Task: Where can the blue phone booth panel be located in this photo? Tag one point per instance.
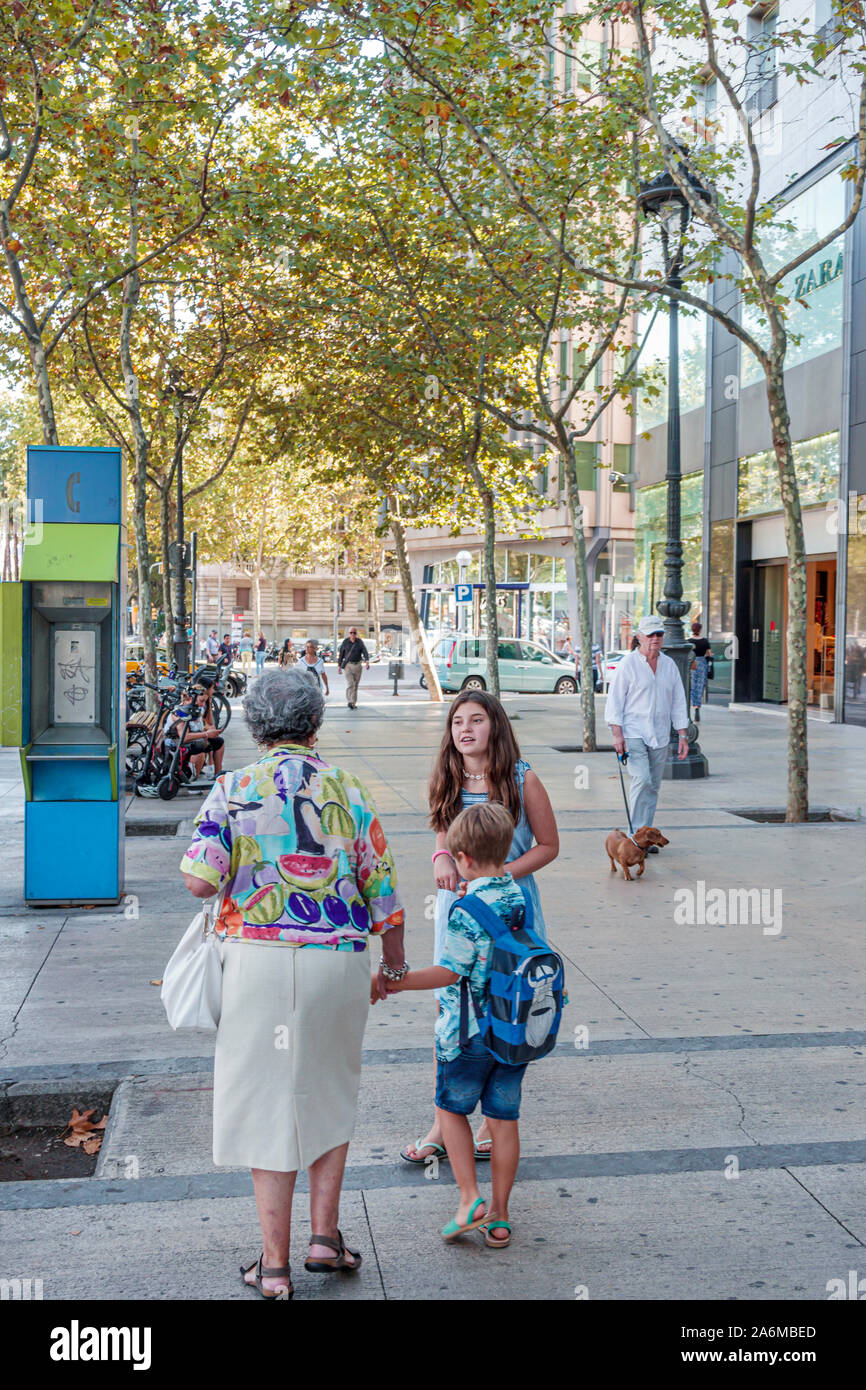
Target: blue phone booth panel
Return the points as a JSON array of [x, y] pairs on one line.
[[72, 853], [76, 485]]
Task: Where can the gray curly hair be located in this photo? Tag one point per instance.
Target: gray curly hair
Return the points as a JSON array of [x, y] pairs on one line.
[[285, 705]]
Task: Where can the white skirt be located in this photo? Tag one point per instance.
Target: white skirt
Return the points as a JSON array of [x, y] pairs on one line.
[[287, 1065]]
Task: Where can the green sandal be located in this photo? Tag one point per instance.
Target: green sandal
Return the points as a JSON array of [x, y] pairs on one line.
[[497, 1223], [454, 1229]]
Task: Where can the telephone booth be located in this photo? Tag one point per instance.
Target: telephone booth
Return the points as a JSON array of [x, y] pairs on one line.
[[72, 689]]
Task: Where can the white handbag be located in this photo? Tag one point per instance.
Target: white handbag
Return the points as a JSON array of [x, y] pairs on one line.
[[192, 983]]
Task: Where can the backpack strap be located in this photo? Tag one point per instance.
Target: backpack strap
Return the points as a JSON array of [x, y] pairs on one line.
[[489, 920]]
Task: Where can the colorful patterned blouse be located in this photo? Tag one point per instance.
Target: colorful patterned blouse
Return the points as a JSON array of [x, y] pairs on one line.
[[303, 849]]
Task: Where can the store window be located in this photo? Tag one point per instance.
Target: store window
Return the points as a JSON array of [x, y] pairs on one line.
[[650, 540], [652, 397], [814, 314], [816, 463], [390, 600]]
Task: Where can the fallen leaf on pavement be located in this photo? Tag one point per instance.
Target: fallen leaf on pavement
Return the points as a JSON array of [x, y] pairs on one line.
[[156, 982], [81, 1131]]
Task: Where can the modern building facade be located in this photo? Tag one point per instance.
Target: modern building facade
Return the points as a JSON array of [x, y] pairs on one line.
[[735, 561]]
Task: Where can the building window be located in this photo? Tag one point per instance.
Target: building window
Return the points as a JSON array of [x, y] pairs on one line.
[[622, 464], [761, 77], [242, 599], [585, 456], [390, 600], [816, 463], [299, 600], [828, 24], [362, 600], [563, 364]]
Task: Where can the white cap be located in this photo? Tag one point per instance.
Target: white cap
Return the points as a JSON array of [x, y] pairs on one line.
[[651, 623]]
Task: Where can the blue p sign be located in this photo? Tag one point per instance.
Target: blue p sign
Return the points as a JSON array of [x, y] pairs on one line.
[[462, 593]]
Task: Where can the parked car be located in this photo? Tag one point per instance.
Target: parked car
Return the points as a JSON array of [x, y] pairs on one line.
[[461, 664], [135, 659], [610, 663]]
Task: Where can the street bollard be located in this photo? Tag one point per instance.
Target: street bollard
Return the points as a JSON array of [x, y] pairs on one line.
[[395, 673]]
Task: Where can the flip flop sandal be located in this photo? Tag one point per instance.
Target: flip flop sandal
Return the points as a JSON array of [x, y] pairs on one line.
[[496, 1224], [285, 1272], [483, 1155], [338, 1262], [454, 1229], [438, 1152]]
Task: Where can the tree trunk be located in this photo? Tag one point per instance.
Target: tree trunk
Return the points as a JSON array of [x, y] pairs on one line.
[[165, 541], [491, 616], [798, 757], [418, 633], [131, 291], [31, 333], [374, 596], [273, 608], [584, 611]]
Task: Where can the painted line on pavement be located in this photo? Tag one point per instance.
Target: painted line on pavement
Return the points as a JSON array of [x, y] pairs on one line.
[[394, 1056], [88, 1192]]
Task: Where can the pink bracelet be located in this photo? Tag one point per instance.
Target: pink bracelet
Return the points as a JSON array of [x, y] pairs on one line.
[[443, 851]]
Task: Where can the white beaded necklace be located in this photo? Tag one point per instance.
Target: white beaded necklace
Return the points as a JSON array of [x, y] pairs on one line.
[[475, 776]]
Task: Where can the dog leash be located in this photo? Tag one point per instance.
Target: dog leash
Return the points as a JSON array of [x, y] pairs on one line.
[[620, 762]]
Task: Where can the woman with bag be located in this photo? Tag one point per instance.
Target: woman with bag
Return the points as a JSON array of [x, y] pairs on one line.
[[297, 849]]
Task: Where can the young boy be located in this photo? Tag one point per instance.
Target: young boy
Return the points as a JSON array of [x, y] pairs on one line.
[[479, 840]]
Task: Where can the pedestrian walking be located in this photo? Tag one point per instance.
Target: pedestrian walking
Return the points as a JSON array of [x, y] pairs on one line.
[[645, 698], [225, 647], [700, 669], [261, 649], [349, 658], [288, 655], [245, 647], [307, 877], [313, 664], [479, 760], [212, 646]]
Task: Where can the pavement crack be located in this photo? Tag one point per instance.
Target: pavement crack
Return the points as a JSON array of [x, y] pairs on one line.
[[830, 1213], [9, 1037], [601, 990], [691, 1069], [373, 1243]]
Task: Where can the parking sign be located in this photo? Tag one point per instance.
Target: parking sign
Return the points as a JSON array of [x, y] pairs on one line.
[[462, 593]]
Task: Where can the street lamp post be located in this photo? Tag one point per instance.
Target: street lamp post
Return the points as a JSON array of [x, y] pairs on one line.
[[663, 199]]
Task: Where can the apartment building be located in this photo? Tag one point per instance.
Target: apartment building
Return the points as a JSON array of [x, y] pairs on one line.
[[298, 601], [535, 570]]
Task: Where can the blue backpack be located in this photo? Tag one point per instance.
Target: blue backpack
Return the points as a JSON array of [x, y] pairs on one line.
[[527, 982]]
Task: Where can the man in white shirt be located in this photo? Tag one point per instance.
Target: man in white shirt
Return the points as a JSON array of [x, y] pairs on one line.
[[645, 698]]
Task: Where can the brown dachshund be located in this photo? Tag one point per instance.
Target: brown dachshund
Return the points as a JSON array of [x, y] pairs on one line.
[[627, 852]]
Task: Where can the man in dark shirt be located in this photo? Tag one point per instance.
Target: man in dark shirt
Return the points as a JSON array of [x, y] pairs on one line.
[[352, 652]]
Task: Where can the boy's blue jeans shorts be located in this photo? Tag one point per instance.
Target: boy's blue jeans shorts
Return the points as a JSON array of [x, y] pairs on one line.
[[477, 1076]]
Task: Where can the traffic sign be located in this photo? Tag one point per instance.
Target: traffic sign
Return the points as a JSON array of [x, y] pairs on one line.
[[462, 593]]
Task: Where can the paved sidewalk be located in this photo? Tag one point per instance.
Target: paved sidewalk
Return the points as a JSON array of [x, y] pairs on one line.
[[697, 1134]]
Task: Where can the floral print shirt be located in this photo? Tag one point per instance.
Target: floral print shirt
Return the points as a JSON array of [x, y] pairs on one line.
[[302, 849]]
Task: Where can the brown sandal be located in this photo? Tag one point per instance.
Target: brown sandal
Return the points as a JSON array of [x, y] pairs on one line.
[[329, 1266], [261, 1273]]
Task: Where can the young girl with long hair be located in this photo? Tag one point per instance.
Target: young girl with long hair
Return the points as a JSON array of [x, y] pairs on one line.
[[479, 760]]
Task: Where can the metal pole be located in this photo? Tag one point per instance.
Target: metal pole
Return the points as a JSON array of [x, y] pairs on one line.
[[673, 607], [181, 641]]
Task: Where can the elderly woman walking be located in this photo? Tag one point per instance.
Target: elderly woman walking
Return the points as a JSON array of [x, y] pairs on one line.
[[308, 878]]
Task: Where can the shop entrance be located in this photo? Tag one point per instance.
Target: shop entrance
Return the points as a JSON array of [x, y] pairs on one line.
[[762, 632]]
